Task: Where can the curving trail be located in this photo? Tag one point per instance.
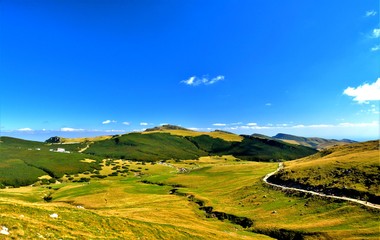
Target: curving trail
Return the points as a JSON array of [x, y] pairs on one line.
[[85, 148], [281, 166]]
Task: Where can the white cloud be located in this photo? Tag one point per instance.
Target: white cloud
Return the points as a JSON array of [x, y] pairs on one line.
[[376, 33], [364, 93], [24, 129], [67, 129], [251, 124], [108, 121], [126, 123], [139, 130], [219, 124], [114, 131], [195, 81], [375, 48], [370, 124], [144, 124], [370, 13]]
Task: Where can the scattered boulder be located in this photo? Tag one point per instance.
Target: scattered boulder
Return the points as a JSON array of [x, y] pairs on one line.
[[4, 230], [54, 215]]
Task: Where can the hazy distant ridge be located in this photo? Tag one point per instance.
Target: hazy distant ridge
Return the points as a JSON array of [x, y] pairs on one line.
[[313, 142]]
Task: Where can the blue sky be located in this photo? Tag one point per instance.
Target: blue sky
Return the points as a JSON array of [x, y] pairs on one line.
[[83, 68]]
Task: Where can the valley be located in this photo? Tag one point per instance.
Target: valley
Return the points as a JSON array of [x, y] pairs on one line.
[[199, 194]]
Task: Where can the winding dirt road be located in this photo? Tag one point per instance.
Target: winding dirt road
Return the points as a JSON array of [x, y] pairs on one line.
[[281, 166]]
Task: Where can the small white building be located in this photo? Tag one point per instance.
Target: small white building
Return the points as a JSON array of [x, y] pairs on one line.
[[61, 150]]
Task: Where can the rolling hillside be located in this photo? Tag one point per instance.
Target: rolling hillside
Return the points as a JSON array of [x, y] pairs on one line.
[[180, 131], [22, 161], [350, 170], [170, 142], [217, 198]]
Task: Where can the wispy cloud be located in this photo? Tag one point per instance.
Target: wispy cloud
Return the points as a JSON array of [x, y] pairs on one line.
[[111, 131], [126, 123], [251, 124], [196, 81], [372, 109], [144, 124], [108, 121], [25, 129], [219, 124], [268, 104], [67, 129], [364, 93], [376, 33], [370, 13], [375, 48]]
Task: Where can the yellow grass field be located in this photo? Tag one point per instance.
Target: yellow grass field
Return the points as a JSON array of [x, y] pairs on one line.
[[139, 204]]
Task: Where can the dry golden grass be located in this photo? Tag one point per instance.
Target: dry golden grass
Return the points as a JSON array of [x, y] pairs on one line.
[[113, 208], [45, 177], [88, 160], [120, 207], [87, 139]]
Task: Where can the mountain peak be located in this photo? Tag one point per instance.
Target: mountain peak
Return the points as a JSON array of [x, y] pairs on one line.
[[166, 127]]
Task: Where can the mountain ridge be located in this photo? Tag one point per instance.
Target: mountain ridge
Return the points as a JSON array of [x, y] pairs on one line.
[[314, 142]]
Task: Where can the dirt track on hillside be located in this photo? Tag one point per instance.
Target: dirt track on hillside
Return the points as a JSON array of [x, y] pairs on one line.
[[281, 166]]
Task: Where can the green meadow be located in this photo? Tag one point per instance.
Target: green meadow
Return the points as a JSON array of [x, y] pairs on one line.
[[189, 187], [141, 204]]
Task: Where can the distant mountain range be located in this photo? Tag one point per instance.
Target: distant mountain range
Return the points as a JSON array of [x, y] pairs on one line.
[[313, 142]]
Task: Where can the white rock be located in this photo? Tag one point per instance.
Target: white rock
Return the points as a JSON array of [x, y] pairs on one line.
[[4, 230], [54, 215]]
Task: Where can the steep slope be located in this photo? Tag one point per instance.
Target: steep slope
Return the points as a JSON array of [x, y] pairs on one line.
[[350, 170], [313, 142]]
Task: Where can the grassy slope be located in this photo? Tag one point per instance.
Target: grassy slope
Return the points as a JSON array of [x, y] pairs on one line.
[[237, 188], [146, 147], [187, 133], [22, 162], [116, 207], [123, 207], [153, 146], [354, 167]]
